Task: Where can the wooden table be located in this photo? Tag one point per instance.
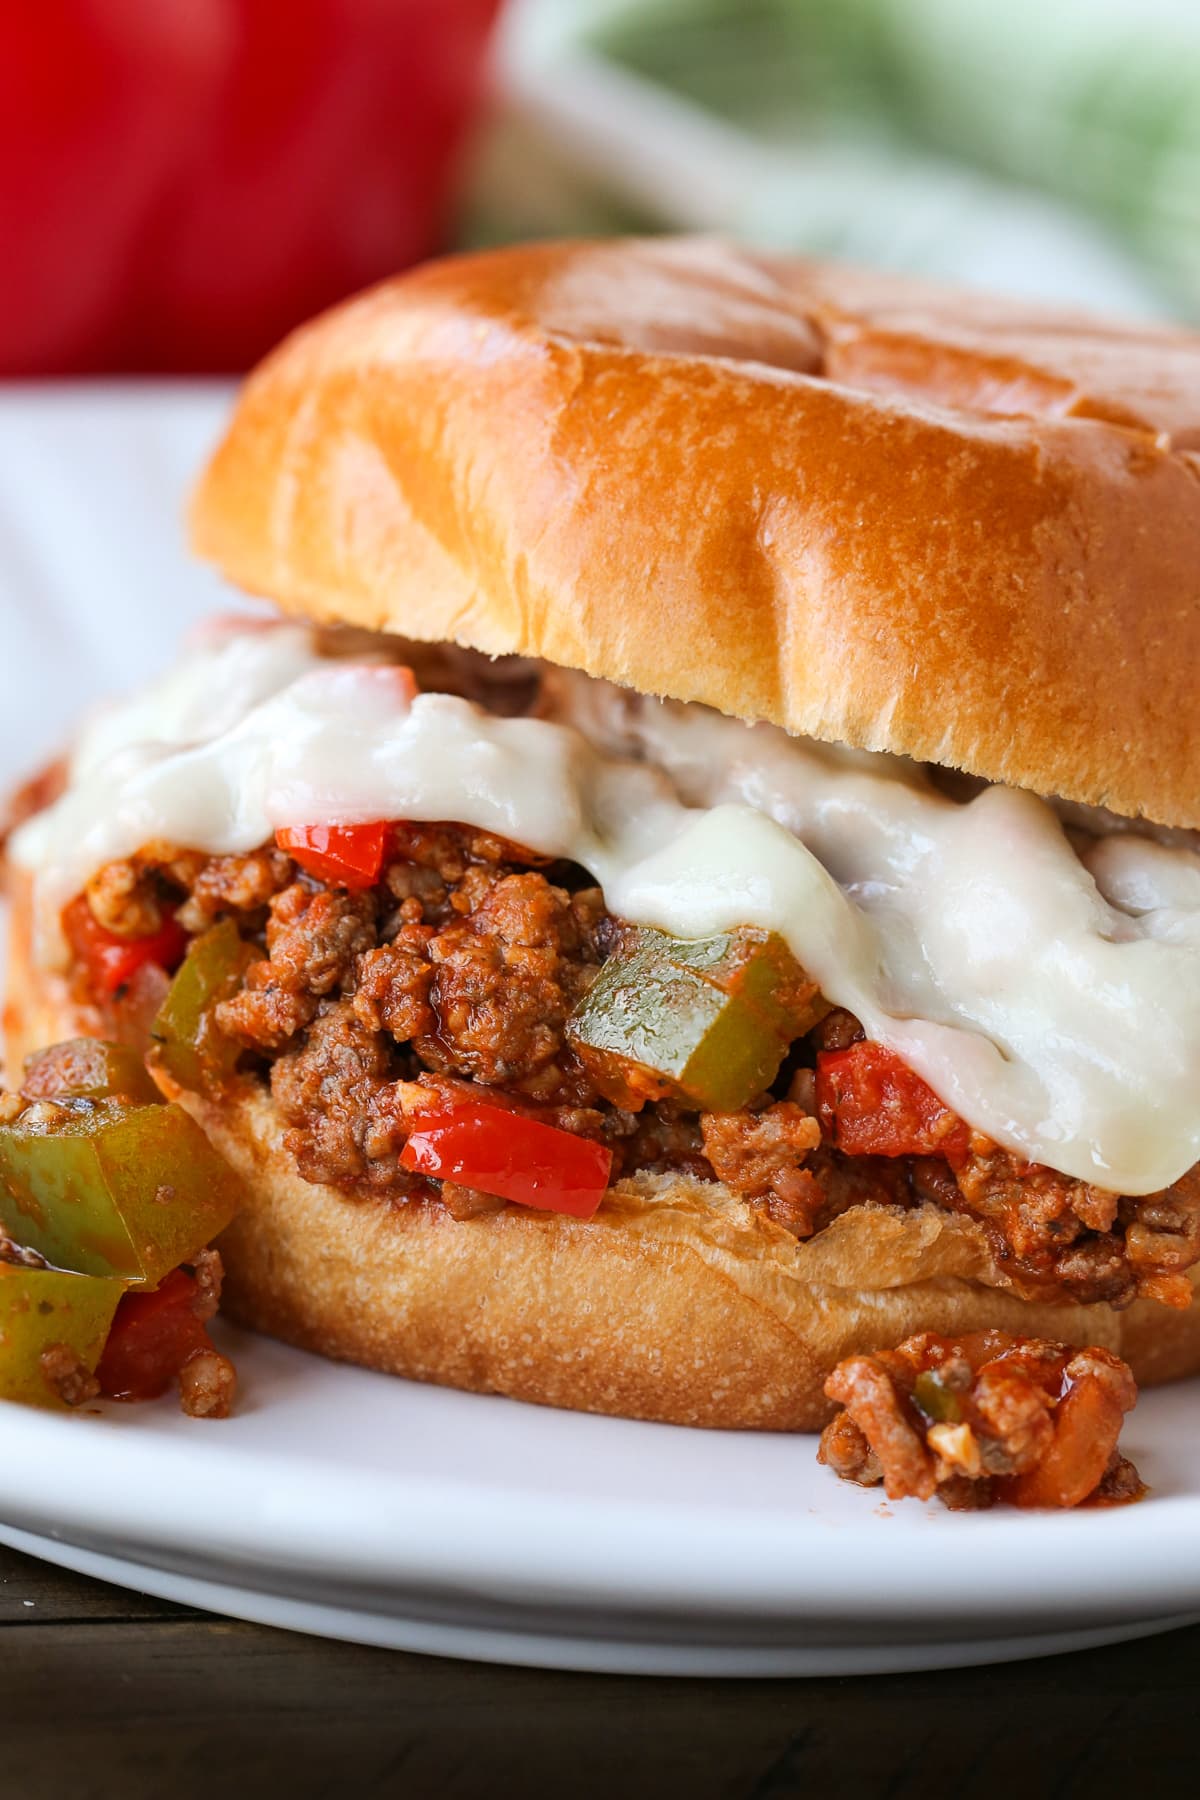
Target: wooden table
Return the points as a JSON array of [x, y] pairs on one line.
[[107, 1692]]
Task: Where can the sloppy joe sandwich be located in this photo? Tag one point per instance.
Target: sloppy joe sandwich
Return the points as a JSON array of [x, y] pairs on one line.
[[702, 881]]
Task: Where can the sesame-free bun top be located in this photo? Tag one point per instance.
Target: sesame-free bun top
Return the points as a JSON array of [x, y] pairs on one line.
[[871, 510]]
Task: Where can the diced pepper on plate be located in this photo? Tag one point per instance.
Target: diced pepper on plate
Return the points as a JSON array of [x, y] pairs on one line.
[[152, 1337], [105, 1188], [53, 1327]]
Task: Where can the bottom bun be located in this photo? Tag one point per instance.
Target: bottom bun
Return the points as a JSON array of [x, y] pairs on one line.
[[676, 1302]]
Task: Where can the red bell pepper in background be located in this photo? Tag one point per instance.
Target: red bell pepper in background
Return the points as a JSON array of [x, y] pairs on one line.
[[151, 1338], [349, 856], [870, 1103], [93, 99], [185, 181], [506, 1154], [111, 961]]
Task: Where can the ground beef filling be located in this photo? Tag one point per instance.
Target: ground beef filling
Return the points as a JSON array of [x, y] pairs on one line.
[[982, 1418], [462, 966]]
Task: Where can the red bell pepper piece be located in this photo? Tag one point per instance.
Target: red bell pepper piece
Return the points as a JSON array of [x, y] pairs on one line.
[[151, 1338], [347, 855], [185, 181], [870, 1103], [111, 961], [511, 1156], [94, 96]]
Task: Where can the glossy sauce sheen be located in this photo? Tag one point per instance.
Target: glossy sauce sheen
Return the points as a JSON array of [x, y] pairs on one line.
[[1052, 999]]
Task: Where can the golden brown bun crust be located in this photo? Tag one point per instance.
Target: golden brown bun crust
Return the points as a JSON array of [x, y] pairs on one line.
[[676, 1302], [868, 509]]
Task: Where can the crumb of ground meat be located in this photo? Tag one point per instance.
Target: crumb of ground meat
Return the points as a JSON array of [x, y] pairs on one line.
[[960, 1493], [663, 1140], [339, 1101], [1163, 1233], [448, 1090], [802, 1088], [209, 1273], [505, 981], [240, 885], [1037, 1237], [1035, 1207], [67, 1375], [421, 895], [983, 1417], [207, 1385], [123, 899], [590, 1121], [449, 850], [874, 1400], [844, 1449], [1095, 1208], [127, 896], [562, 1084], [392, 984], [1051, 1232], [1119, 1484], [761, 1156], [837, 1030], [1095, 1269], [468, 1203], [467, 895], [1014, 1414], [264, 1016], [314, 936], [860, 1181]]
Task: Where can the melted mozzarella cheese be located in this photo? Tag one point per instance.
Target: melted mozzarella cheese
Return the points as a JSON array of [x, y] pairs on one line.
[[1051, 998]]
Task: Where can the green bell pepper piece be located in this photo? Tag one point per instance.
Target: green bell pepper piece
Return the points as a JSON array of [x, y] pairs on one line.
[[41, 1307], [88, 1069], [192, 1049], [707, 1020], [102, 1188], [937, 1401]]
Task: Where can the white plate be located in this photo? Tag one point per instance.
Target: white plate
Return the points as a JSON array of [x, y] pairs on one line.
[[343, 1502], [347, 1503]]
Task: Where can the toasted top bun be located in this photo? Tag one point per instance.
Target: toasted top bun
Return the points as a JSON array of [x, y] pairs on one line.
[[870, 510]]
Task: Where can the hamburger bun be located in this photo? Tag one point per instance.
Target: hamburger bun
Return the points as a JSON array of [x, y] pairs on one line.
[[867, 510], [870, 510]]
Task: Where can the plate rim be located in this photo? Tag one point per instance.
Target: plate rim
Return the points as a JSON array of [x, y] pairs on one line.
[[252, 1508]]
